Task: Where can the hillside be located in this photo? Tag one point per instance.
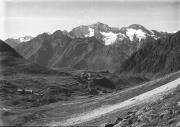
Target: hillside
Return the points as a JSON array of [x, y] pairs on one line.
[[134, 106], [161, 56], [11, 63]]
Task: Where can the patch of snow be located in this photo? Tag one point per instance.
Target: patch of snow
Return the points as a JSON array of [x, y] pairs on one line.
[[138, 33], [155, 37], [178, 103], [30, 91], [48, 33], [109, 37], [25, 39], [4, 109], [152, 32], [91, 32], [121, 36], [19, 90]]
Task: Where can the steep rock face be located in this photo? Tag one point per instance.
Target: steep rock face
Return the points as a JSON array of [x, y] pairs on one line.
[[29, 48], [161, 56], [12, 42], [6, 49], [77, 53], [44, 48]]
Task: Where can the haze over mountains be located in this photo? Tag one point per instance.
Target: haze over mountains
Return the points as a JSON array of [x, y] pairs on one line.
[[94, 47]]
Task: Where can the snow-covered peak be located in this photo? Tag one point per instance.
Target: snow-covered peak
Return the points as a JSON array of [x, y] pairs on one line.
[[131, 33], [90, 32], [25, 39], [109, 37], [48, 33]]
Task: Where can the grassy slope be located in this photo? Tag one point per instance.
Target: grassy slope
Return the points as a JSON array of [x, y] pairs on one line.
[[162, 113], [62, 110]]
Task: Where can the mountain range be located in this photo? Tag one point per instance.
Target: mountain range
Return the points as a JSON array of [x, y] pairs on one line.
[[93, 47]]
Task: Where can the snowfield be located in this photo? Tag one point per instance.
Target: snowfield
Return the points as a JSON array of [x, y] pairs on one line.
[[24, 39], [91, 33], [138, 33], [150, 96], [109, 37]]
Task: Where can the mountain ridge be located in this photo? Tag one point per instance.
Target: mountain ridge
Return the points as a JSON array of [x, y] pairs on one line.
[[114, 46]]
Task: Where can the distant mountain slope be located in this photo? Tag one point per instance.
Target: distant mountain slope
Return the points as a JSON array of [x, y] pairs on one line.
[[93, 47], [161, 56], [14, 42], [11, 62], [59, 50], [44, 48], [6, 49], [78, 52], [9, 58]]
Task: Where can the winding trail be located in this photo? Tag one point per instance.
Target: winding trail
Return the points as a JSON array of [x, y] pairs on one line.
[[150, 96]]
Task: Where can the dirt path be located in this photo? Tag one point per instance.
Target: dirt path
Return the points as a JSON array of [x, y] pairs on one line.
[[149, 96]]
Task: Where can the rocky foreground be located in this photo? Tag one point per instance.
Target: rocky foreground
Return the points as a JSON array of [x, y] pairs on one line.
[[162, 113]]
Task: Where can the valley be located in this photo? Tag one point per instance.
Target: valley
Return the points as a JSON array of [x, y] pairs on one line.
[[94, 75], [88, 110]]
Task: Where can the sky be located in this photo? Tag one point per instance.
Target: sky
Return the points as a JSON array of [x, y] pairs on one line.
[[33, 17]]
